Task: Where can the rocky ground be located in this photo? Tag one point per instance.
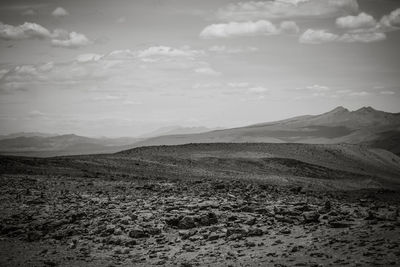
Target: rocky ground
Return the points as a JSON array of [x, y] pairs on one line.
[[66, 221]]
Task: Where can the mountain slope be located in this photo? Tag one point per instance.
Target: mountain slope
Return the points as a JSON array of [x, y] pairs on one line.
[[363, 126], [69, 144], [327, 167]]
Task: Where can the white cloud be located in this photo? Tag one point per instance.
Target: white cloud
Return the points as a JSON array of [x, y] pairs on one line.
[[392, 19], [289, 27], [74, 40], [166, 51], [361, 21], [46, 67], [318, 88], [283, 9], [3, 72], [362, 93], [60, 12], [257, 90], [112, 72], [238, 84], [36, 114], [207, 71], [311, 36], [249, 28], [234, 29], [88, 57], [387, 93], [231, 50], [322, 36], [27, 30], [362, 37]]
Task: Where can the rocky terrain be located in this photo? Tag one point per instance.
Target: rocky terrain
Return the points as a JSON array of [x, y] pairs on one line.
[[203, 205], [77, 221]]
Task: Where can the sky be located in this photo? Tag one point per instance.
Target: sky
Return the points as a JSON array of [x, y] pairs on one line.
[[124, 68]]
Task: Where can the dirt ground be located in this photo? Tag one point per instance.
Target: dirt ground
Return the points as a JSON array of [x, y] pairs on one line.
[[66, 221]]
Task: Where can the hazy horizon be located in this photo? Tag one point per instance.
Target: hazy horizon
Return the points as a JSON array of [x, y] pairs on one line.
[[125, 68]]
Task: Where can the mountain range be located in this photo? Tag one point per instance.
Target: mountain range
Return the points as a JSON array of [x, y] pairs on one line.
[[365, 126]]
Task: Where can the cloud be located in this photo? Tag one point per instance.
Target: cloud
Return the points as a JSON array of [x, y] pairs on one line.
[[88, 57], [284, 9], [59, 12], [166, 51], [249, 28], [289, 27], [238, 84], [207, 71], [391, 20], [361, 21], [234, 29], [27, 30], [311, 36], [36, 114], [257, 90], [362, 37], [317, 88], [74, 40], [387, 93], [362, 93], [231, 50], [3, 72], [118, 70]]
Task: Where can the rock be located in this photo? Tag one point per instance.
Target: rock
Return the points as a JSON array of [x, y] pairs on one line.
[[195, 238], [285, 231], [153, 231], [34, 236], [311, 217], [240, 231], [340, 224], [138, 233], [50, 263], [255, 232], [208, 219], [122, 251], [187, 222], [185, 234], [213, 236], [126, 220], [172, 221]]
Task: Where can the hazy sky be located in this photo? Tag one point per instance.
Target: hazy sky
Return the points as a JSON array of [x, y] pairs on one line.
[[122, 68]]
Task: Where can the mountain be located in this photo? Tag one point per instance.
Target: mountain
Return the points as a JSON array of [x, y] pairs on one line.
[[174, 130], [26, 134], [68, 144], [363, 126]]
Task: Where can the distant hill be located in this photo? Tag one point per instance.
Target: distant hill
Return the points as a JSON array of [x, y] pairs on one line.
[[363, 126], [26, 134], [173, 130], [43, 145], [324, 166]]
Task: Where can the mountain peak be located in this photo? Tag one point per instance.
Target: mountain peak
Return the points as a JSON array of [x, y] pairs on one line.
[[365, 109], [338, 109]]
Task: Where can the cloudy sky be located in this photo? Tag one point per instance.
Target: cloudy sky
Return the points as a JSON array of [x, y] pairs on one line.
[[123, 68]]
